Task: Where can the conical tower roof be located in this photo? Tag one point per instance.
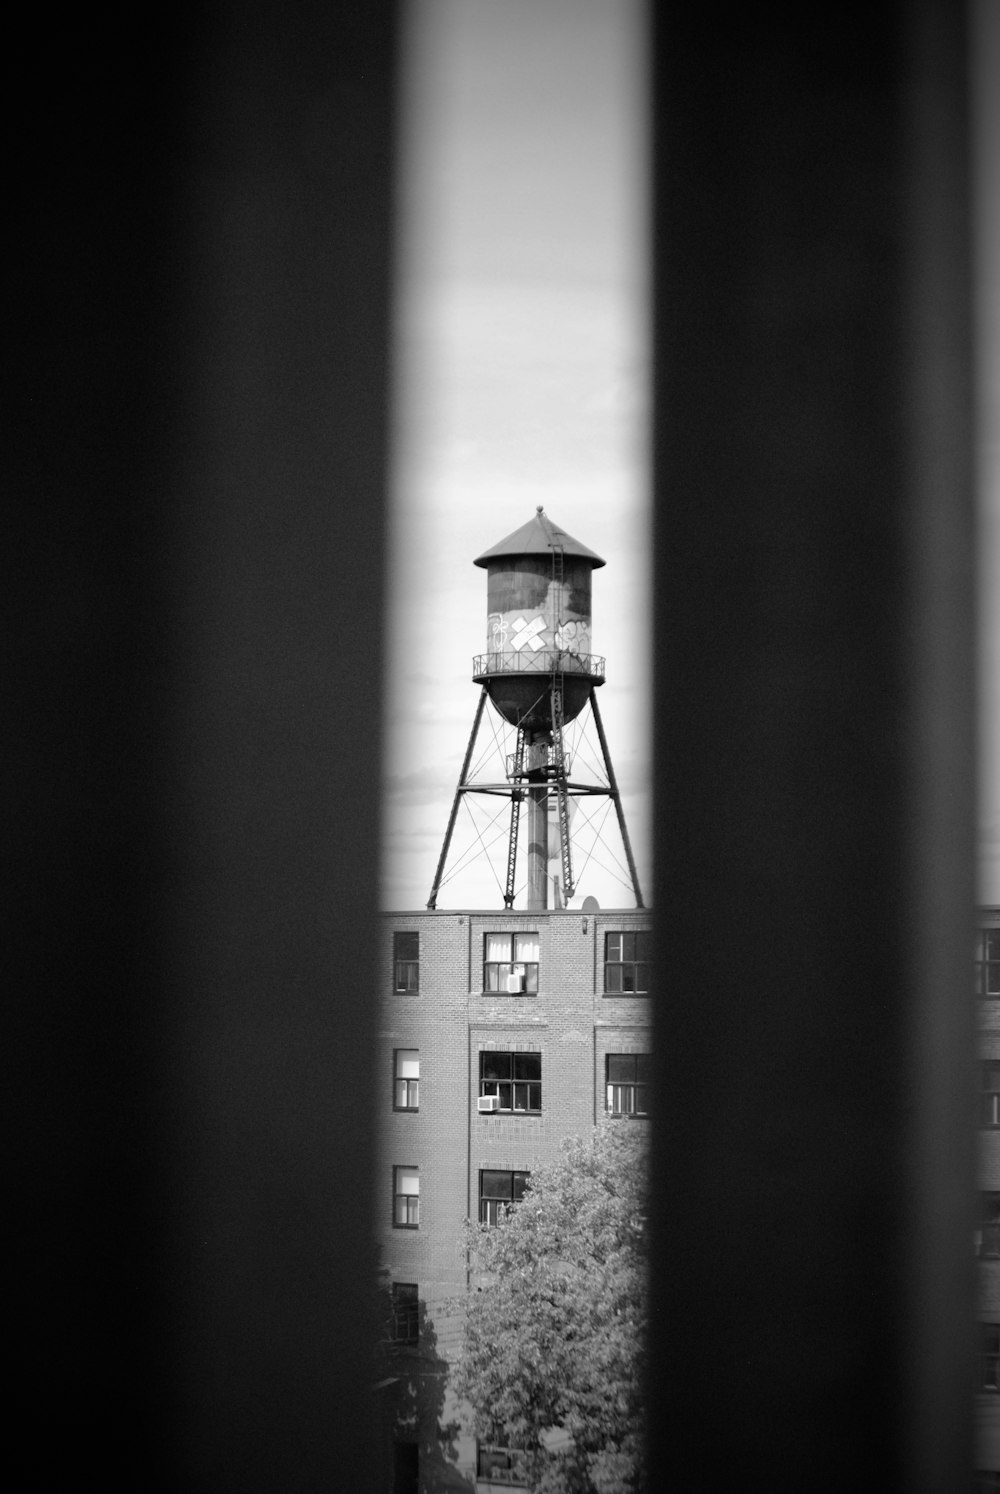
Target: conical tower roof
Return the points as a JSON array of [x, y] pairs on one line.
[[540, 536]]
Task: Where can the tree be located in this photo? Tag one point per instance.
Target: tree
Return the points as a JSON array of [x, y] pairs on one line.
[[553, 1354]]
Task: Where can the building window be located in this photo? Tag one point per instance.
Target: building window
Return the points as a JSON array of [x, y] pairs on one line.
[[405, 1467], [988, 963], [989, 1356], [627, 1080], [991, 1095], [513, 1080], [406, 1079], [406, 962], [988, 1233], [500, 1465], [499, 1191], [626, 963], [406, 1197], [405, 1312], [510, 964]]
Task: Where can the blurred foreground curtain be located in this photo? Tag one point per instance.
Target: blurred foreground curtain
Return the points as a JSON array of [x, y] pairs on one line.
[[200, 247], [813, 1270]]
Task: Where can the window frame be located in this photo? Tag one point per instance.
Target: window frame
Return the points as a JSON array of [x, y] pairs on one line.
[[989, 1117], [989, 1358], [988, 964], [531, 1088], [405, 1310], [490, 1204], [399, 1195], [637, 1085], [407, 1106], [511, 1476], [988, 1229], [404, 985], [624, 966], [405, 1462], [513, 964]]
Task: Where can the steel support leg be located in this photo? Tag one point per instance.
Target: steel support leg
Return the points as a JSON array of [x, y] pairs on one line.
[[462, 780], [617, 798]]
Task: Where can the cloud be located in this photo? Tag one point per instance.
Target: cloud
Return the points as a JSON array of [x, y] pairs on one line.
[[421, 786]]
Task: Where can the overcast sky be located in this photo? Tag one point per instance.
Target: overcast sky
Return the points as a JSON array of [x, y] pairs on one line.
[[522, 378], [522, 371]]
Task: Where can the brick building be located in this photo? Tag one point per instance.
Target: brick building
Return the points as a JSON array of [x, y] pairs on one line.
[[501, 1033], [988, 1233]]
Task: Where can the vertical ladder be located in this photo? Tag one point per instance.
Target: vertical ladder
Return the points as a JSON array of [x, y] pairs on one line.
[[558, 749], [557, 594], [559, 762], [517, 794]]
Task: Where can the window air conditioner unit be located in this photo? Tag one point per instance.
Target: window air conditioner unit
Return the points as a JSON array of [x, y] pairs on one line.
[[489, 1103], [515, 982]]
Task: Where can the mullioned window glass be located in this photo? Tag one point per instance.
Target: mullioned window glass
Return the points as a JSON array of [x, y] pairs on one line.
[[988, 963], [405, 1312], [406, 1197], [627, 1084], [501, 1465], [406, 961], [406, 1081], [510, 964], [627, 963], [498, 1192], [514, 1078], [991, 1095], [988, 1234]]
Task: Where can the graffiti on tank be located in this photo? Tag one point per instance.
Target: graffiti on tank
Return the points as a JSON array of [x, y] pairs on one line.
[[574, 637], [525, 633], [496, 631]]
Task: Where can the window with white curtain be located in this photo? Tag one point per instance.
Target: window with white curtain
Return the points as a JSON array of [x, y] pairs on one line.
[[406, 1197], [406, 1079], [510, 964]]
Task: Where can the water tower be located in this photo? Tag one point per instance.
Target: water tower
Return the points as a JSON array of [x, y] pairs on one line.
[[539, 674]]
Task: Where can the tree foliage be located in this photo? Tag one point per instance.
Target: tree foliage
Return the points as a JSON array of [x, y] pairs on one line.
[[553, 1355]]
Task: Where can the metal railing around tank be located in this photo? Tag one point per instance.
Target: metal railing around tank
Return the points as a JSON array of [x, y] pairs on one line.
[[537, 661]]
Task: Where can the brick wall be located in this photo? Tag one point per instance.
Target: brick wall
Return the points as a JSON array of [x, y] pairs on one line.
[[570, 1022], [987, 1416]]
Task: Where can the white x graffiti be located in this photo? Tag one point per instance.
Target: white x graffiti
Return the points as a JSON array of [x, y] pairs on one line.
[[524, 632]]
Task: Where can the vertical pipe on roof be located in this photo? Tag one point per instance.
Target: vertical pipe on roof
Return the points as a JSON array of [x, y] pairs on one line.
[[538, 828]]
